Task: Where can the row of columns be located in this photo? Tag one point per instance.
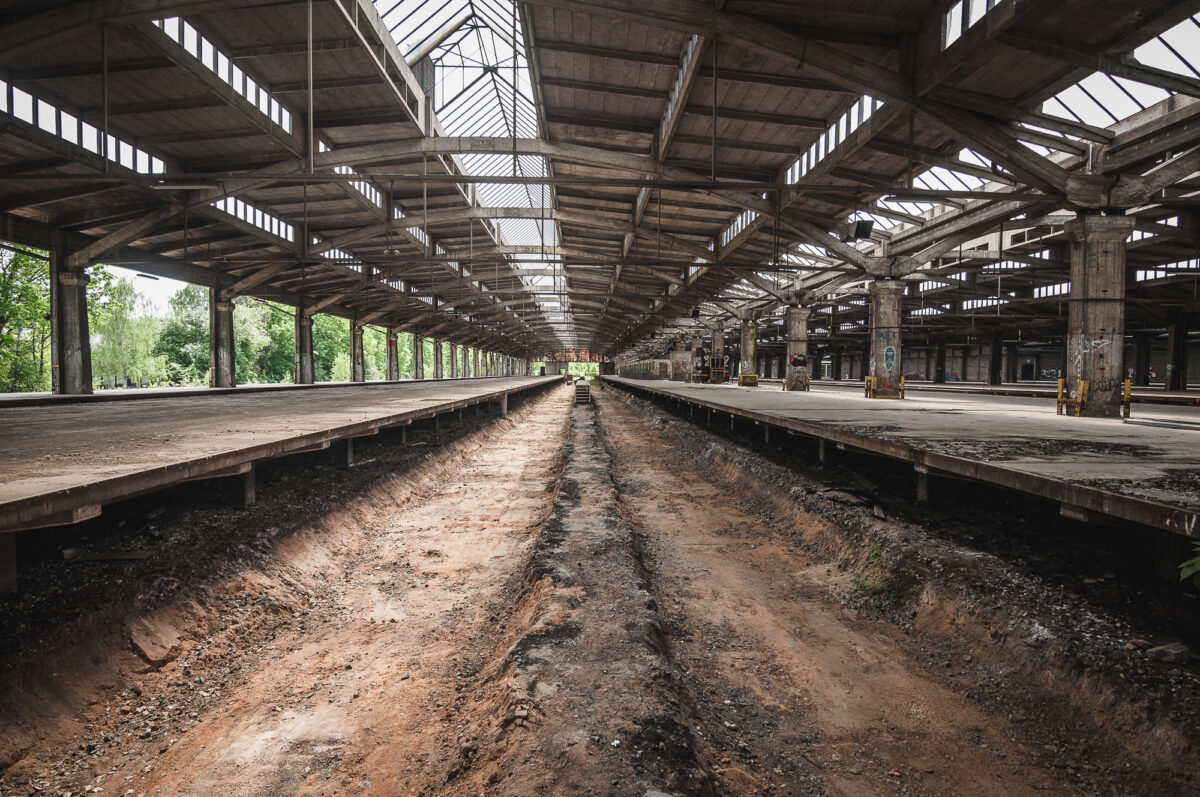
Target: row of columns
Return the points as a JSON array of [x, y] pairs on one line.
[[1095, 333], [71, 365]]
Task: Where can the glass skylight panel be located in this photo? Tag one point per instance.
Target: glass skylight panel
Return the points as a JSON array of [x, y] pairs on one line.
[[240, 209], [1046, 291], [204, 51], [1179, 269], [57, 122], [1102, 100]]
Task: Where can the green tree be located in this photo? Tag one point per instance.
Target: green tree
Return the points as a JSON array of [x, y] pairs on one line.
[[331, 338], [404, 354], [125, 334], [183, 340], [374, 353], [264, 337], [24, 321]]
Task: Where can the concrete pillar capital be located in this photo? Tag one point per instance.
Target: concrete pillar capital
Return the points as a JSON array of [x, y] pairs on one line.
[[223, 305], [74, 279], [883, 285], [1091, 226]]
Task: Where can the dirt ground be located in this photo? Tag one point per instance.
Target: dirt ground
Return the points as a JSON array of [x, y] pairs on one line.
[[571, 600]]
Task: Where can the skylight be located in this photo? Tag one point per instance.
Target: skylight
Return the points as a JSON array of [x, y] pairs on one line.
[[481, 86]]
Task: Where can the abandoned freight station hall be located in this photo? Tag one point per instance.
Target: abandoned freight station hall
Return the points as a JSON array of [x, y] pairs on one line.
[[599, 397]]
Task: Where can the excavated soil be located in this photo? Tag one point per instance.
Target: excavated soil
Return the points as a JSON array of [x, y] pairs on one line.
[[595, 599]]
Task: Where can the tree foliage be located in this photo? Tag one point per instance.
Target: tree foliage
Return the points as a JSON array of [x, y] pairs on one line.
[[125, 336], [129, 341], [24, 322]]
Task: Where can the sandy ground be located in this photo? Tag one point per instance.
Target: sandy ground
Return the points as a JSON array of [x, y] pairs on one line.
[[571, 600]]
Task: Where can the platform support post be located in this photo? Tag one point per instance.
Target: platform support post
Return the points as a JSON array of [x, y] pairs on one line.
[[437, 359], [475, 357], [357, 363], [825, 452], [1096, 321], [766, 434], [393, 356], [1177, 345], [343, 452], [885, 337], [244, 488], [404, 435], [504, 404], [8, 563], [1141, 359], [453, 361], [1010, 363], [939, 362], [222, 355], [418, 357], [304, 374], [797, 346], [922, 485], [71, 350]]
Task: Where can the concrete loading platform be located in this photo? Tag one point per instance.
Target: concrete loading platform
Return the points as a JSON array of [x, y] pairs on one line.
[[1139, 395], [1145, 471], [61, 464]]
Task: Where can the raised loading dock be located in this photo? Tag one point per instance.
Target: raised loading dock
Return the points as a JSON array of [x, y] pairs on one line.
[[62, 463], [1142, 471]]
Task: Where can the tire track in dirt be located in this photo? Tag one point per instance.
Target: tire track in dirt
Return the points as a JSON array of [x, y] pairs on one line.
[[794, 693], [584, 673]]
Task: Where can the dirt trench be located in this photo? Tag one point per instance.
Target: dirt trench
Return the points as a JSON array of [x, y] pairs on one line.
[[572, 600]]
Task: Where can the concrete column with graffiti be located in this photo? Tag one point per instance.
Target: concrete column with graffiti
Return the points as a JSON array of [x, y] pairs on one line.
[[1096, 321], [797, 348], [885, 336]]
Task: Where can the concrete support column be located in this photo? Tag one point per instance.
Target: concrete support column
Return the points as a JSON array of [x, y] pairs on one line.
[[304, 372], [8, 562], [358, 367], [1177, 341], [453, 361], [437, 359], [222, 357], [71, 363], [885, 336], [1096, 322], [1141, 359], [393, 355], [939, 362], [835, 363], [418, 357], [1010, 362], [748, 357], [475, 356], [995, 372], [797, 347]]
